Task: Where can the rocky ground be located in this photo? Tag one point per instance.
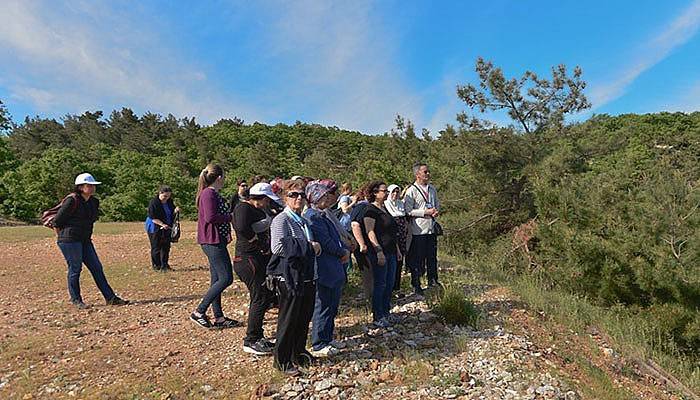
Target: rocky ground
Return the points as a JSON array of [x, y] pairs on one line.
[[149, 349]]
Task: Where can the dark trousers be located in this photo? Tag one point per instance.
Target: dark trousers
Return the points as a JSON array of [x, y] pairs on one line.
[[221, 277], [77, 254], [250, 268], [160, 248], [325, 310], [295, 314], [397, 277], [422, 255]]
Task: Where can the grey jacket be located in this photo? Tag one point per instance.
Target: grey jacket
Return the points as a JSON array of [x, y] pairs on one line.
[[415, 206]]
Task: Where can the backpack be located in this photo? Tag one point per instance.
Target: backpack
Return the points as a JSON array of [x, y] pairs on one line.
[[48, 216]]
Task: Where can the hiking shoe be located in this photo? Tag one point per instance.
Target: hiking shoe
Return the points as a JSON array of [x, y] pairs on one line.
[[117, 301], [80, 305], [325, 351], [382, 323], [394, 319], [259, 348], [291, 371], [338, 345], [202, 320], [226, 323], [304, 359]]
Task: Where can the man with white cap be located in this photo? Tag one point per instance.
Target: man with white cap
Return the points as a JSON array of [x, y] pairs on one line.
[[252, 227], [74, 222]]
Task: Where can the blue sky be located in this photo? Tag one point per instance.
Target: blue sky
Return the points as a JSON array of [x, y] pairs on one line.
[[352, 64]]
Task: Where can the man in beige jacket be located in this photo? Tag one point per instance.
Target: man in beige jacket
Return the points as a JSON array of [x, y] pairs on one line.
[[422, 206]]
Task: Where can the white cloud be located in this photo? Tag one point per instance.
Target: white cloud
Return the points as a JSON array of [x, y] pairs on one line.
[[338, 61], [676, 34], [84, 55]]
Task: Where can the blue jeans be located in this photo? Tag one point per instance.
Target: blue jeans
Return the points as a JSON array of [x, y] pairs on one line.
[[77, 254], [221, 272], [325, 311], [383, 284]]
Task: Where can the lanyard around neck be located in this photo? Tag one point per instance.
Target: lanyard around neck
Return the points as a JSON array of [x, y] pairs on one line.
[[300, 221]]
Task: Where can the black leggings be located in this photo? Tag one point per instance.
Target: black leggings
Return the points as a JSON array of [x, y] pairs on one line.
[[250, 268]]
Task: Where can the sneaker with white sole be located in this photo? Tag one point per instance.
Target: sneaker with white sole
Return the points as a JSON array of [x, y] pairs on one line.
[[201, 320], [325, 351], [338, 345], [259, 348]]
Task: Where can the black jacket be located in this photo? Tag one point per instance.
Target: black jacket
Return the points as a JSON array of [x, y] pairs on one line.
[[296, 267], [75, 223], [156, 211]]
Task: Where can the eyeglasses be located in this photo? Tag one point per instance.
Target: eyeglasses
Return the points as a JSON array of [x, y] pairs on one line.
[[294, 195], [381, 190], [243, 185]]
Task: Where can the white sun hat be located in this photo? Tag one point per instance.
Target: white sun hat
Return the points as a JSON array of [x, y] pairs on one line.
[[263, 189], [86, 178]]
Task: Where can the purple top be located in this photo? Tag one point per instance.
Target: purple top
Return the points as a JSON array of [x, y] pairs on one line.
[[213, 223]]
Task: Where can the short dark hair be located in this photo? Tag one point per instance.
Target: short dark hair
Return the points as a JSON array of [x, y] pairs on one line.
[[372, 189], [165, 189]]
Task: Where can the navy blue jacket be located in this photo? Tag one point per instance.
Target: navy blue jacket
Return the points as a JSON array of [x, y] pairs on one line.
[[295, 266], [329, 270]]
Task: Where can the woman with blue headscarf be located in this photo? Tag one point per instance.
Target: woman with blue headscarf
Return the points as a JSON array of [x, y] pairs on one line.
[[330, 273]]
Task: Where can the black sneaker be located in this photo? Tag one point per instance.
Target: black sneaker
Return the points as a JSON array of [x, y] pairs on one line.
[[117, 301], [289, 370], [259, 348], [226, 323], [79, 304], [305, 359], [202, 321]]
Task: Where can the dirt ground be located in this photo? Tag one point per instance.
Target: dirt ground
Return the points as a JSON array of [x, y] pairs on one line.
[[150, 349]]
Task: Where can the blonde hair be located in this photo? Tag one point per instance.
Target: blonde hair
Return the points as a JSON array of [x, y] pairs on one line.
[[346, 188], [206, 178]]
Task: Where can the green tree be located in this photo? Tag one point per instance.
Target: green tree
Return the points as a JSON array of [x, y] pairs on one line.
[[532, 102]]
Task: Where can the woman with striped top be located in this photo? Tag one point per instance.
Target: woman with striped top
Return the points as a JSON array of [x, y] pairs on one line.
[[292, 269]]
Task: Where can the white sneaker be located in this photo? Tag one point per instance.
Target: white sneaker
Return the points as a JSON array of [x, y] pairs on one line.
[[338, 345], [325, 351]]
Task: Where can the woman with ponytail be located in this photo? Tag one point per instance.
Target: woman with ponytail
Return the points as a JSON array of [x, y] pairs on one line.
[[214, 234]]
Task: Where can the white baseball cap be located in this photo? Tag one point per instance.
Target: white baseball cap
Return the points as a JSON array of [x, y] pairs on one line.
[[86, 178], [263, 189]]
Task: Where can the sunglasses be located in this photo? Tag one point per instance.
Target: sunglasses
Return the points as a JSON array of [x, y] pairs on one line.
[[294, 195]]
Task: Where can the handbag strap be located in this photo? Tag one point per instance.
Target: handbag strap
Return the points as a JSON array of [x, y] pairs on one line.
[[421, 192]]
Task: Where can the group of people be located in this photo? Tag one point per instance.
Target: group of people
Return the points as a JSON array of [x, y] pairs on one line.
[[294, 245]]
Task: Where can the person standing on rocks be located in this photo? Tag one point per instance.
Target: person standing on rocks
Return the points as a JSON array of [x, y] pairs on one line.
[[330, 272], [161, 214], [291, 269], [357, 225], [381, 234], [394, 205], [252, 226], [422, 205], [74, 223], [214, 234]]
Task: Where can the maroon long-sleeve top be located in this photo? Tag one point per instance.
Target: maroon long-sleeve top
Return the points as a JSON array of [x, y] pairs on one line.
[[213, 224]]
